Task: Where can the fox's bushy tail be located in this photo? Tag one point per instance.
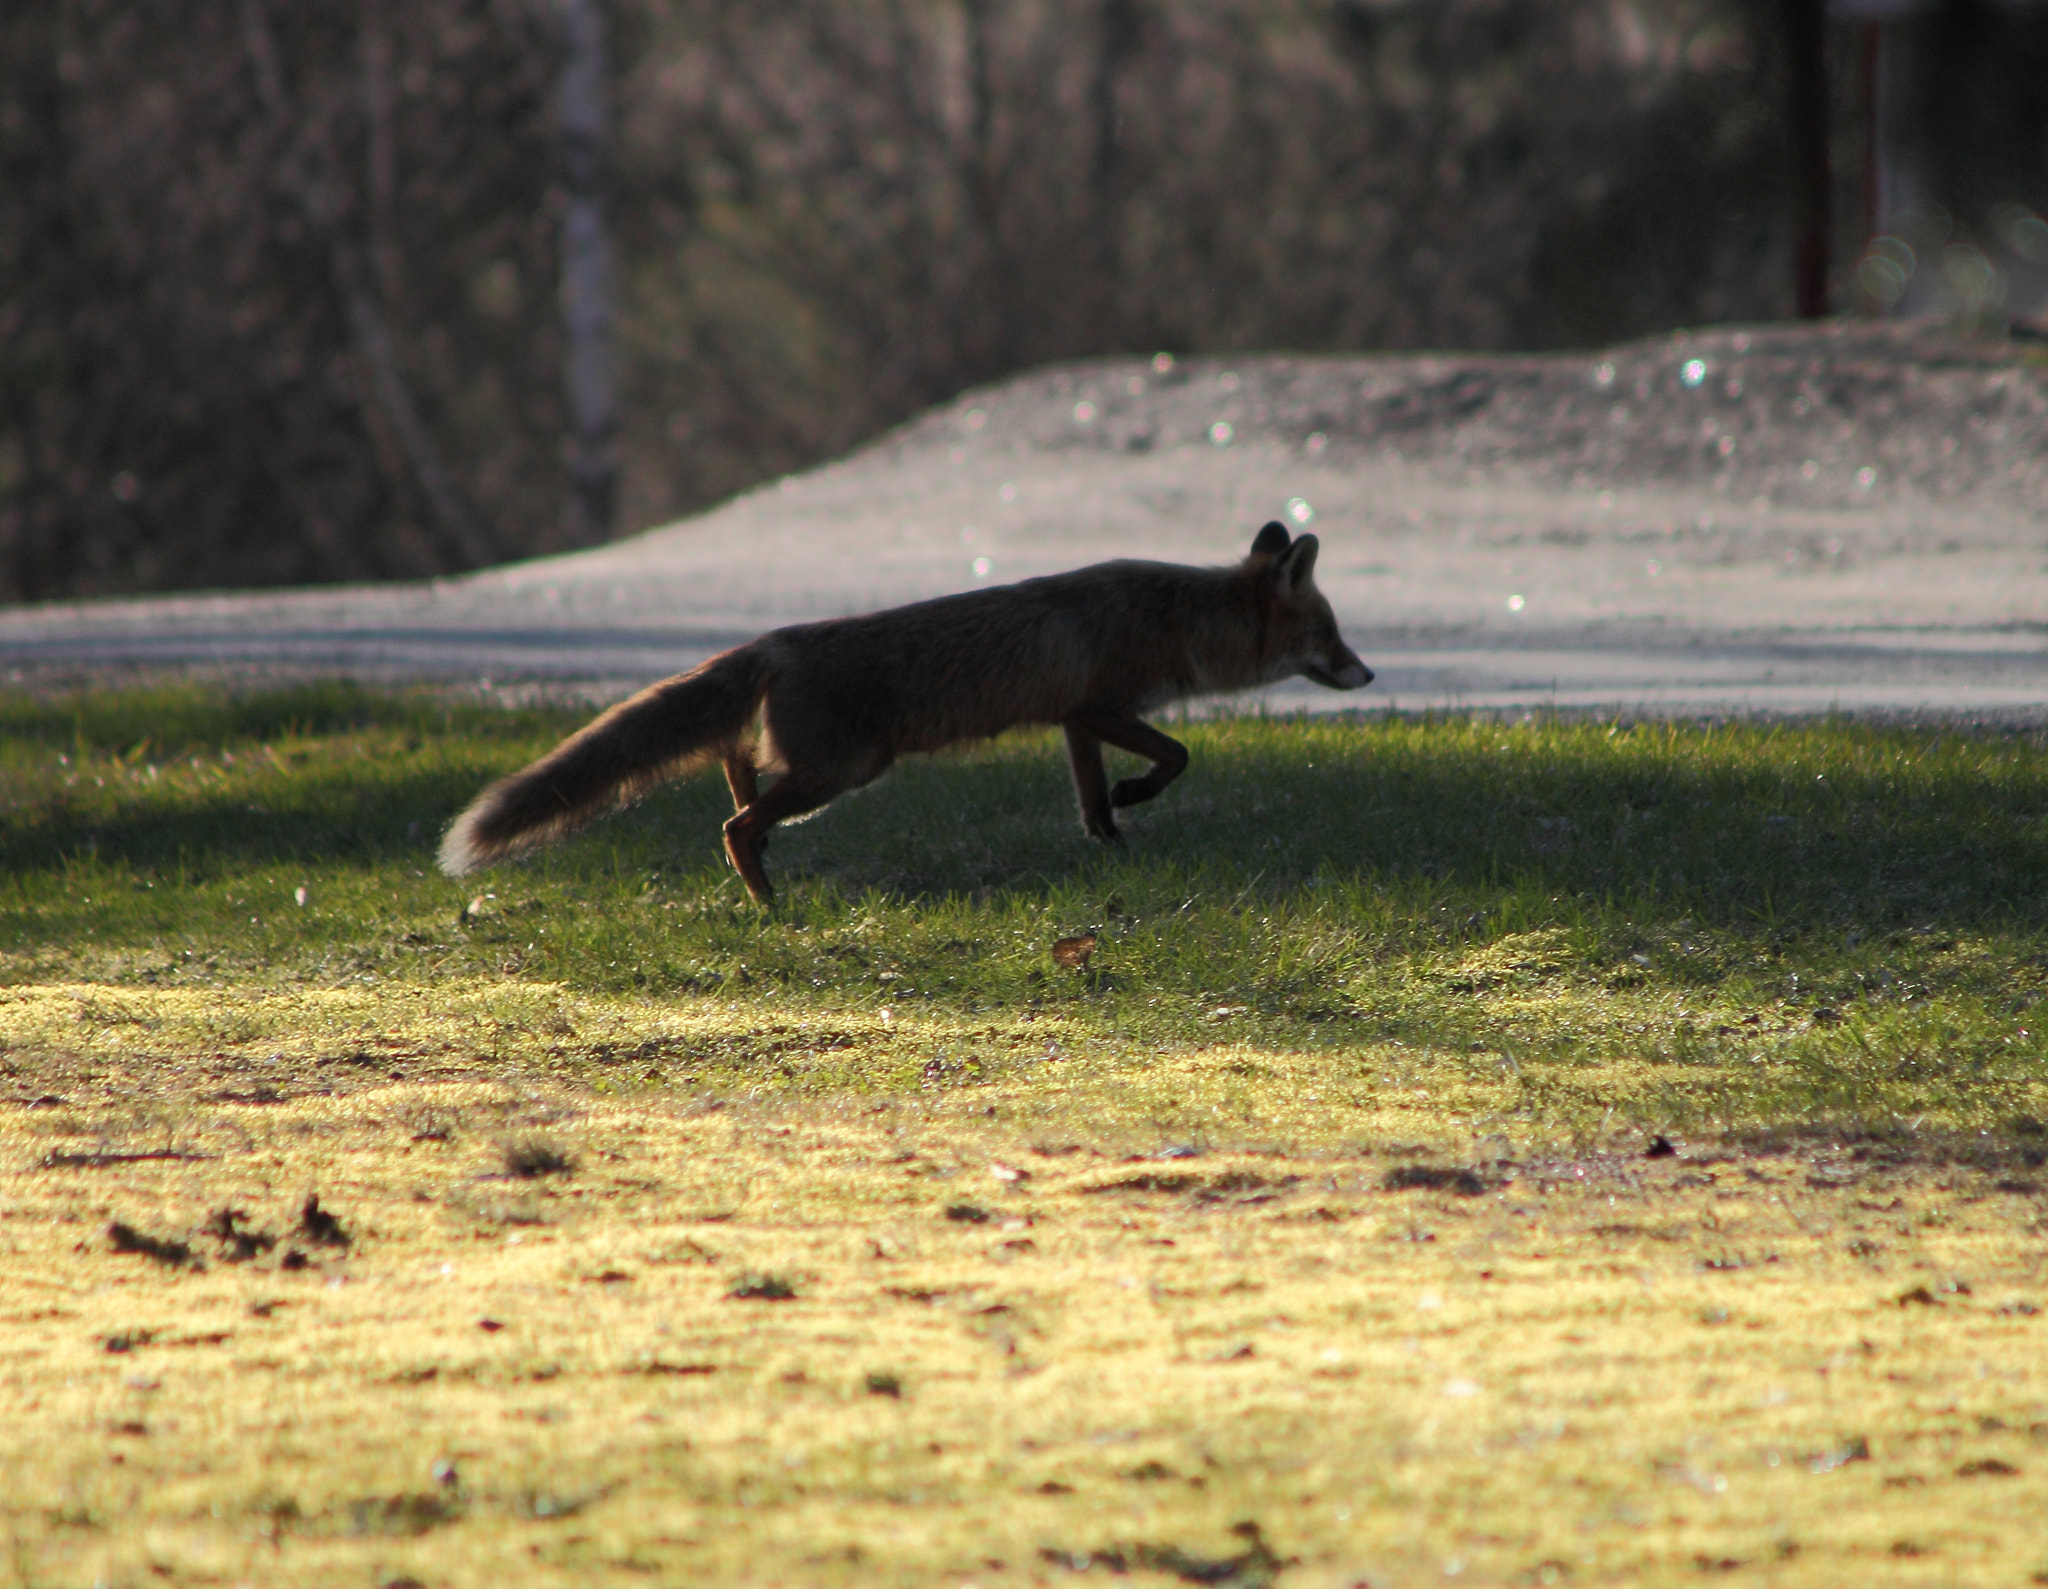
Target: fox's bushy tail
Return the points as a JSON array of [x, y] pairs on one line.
[[665, 730]]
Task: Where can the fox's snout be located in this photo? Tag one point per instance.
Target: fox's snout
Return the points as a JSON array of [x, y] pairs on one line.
[[1348, 674]]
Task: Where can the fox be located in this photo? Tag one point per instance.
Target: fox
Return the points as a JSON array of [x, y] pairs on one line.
[[824, 708]]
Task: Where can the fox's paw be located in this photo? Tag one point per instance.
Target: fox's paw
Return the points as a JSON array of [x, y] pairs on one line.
[[1130, 792], [1105, 830]]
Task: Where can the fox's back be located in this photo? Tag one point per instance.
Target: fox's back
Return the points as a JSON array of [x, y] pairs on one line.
[[1121, 636]]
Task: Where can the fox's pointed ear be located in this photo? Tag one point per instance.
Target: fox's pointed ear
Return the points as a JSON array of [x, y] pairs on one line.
[[1296, 566], [1271, 541]]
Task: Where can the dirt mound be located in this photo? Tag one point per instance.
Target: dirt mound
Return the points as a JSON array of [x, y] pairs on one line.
[[1836, 415]]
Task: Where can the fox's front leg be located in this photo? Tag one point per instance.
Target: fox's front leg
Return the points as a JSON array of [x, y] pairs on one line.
[[1169, 757], [1091, 784]]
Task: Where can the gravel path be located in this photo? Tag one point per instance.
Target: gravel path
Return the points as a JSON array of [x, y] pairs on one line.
[[1785, 519]]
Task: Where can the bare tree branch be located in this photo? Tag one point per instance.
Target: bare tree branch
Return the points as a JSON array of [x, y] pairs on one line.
[[382, 174], [317, 192]]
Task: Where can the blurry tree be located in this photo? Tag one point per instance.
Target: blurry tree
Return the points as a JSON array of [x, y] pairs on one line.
[[839, 211], [311, 170], [268, 279], [283, 287], [1979, 113]]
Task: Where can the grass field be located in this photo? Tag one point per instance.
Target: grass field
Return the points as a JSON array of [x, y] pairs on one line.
[[1469, 1152]]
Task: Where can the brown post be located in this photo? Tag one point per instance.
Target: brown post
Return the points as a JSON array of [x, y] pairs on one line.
[[1806, 84], [1873, 129]]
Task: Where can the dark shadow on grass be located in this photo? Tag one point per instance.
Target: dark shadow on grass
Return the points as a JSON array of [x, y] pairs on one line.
[[319, 822], [1847, 826], [1822, 837], [177, 719], [324, 819]]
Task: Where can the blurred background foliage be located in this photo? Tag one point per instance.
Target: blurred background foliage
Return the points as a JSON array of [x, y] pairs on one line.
[[828, 215]]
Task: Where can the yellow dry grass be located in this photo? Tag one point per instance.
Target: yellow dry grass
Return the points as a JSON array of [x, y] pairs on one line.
[[1058, 1310]]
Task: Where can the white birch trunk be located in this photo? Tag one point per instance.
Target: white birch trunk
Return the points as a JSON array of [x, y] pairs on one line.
[[587, 280]]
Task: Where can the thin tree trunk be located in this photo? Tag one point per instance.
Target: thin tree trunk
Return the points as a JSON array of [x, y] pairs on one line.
[[587, 281], [987, 333], [1121, 26], [468, 541]]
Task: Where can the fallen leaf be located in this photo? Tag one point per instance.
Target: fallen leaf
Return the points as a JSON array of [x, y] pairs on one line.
[[320, 1227], [229, 1226], [1073, 952], [1432, 1178], [1852, 1450], [762, 1288], [100, 1161], [126, 1238]]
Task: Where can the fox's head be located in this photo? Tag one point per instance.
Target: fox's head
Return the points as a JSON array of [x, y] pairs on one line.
[[1300, 630]]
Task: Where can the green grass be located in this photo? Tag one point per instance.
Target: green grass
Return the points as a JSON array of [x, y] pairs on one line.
[[1316, 1200], [1701, 927]]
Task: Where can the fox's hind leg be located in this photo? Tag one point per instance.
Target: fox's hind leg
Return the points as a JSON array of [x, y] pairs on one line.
[[746, 833], [1091, 784], [1169, 757], [743, 778], [740, 779]]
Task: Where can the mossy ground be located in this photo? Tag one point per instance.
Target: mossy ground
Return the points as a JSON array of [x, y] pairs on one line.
[[1089, 1266]]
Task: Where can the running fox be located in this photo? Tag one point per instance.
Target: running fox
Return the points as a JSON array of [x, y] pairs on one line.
[[830, 706]]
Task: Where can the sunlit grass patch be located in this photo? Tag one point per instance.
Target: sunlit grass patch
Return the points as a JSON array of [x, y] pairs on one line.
[[909, 1340]]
